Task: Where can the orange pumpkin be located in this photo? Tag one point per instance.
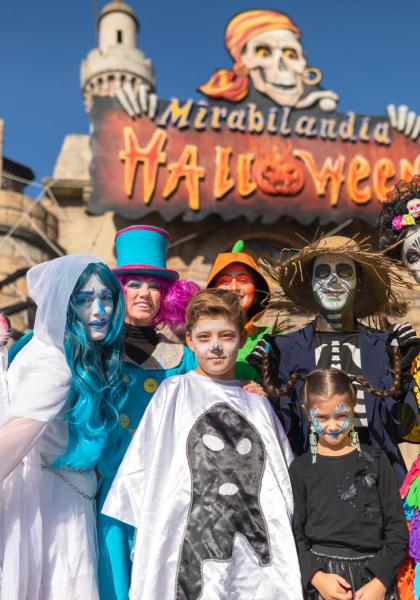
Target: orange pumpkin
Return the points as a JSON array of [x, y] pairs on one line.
[[279, 174]]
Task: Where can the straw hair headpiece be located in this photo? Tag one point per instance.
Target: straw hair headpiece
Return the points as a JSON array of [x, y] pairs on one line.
[[380, 286]]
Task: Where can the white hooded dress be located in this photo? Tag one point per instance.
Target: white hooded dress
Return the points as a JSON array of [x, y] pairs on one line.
[[205, 483], [47, 517]]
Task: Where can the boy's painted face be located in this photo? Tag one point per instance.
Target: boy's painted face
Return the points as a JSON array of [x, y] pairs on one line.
[[216, 343], [95, 308], [411, 251], [142, 300], [237, 278], [331, 419]]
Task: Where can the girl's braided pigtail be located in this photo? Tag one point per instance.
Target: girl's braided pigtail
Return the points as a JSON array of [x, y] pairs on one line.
[[269, 379], [396, 369]]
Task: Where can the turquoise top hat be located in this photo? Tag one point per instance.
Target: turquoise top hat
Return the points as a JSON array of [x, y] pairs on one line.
[[142, 249]]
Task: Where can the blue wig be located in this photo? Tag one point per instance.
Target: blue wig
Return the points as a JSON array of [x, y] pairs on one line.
[[97, 390]]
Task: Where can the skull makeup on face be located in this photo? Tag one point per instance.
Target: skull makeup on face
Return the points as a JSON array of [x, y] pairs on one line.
[[215, 343], [276, 64], [334, 282], [226, 457], [95, 307], [411, 250]]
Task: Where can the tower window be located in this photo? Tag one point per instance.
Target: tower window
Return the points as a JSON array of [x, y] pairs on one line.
[[119, 36]]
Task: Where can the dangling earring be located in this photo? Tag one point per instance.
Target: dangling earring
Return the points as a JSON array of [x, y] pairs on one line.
[[354, 439], [313, 442], [312, 76]]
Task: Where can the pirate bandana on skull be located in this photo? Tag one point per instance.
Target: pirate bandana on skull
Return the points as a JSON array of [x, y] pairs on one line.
[[226, 456]]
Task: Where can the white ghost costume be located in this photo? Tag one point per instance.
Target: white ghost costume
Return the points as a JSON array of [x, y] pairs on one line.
[[47, 517], [205, 483]]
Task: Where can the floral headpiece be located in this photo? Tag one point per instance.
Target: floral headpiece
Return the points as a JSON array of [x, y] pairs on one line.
[[408, 219]]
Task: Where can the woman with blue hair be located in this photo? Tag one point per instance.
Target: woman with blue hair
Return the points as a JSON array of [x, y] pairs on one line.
[[64, 391]]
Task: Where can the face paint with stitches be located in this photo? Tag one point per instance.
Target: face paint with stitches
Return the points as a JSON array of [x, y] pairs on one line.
[[95, 307], [411, 251], [216, 344], [334, 282]]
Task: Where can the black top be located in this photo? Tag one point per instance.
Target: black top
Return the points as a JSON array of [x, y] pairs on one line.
[[351, 502], [139, 342]]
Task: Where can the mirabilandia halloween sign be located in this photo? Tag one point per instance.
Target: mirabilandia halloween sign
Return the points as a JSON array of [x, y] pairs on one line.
[[268, 141]]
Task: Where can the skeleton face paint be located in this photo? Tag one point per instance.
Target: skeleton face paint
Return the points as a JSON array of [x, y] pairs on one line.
[[276, 63], [334, 282], [95, 307], [331, 421], [216, 343], [411, 251]]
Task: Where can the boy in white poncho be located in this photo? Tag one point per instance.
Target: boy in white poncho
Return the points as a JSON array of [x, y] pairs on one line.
[[205, 479]]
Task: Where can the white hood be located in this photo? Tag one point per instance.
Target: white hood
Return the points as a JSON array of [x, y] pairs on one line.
[[50, 285]]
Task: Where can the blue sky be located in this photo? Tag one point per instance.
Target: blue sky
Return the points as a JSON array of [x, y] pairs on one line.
[[368, 51]]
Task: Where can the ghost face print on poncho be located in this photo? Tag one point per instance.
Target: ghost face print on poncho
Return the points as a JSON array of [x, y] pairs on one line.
[[226, 457]]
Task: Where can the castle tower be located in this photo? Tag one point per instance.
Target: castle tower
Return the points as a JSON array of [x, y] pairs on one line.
[[117, 58]]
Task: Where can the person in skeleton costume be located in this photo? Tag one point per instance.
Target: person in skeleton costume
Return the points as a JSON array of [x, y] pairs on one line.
[[399, 233], [238, 272], [205, 479], [64, 389], [342, 281], [269, 61]]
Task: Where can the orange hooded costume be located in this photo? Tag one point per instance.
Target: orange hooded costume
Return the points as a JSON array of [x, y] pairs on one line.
[[262, 292]]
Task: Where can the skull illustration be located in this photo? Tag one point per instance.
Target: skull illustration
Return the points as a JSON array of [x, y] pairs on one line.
[[413, 207], [276, 64]]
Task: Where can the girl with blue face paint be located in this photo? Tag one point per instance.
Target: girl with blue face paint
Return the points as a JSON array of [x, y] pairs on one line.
[[348, 516], [331, 423]]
